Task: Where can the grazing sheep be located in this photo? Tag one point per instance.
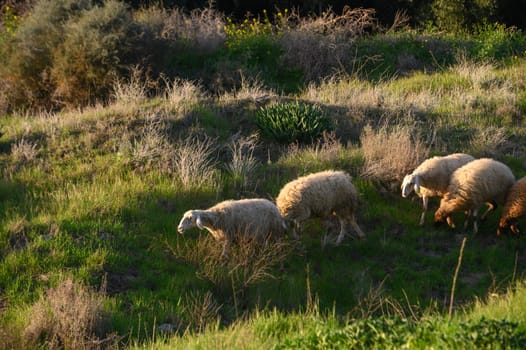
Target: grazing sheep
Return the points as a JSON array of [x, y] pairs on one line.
[[514, 208], [320, 195], [228, 219], [480, 181], [431, 178]]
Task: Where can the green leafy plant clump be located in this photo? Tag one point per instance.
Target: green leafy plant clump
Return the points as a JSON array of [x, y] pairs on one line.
[[293, 121]]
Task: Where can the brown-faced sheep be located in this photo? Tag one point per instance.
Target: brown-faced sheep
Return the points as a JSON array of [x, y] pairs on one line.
[[514, 208], [431, 178], [258, 217], [480, 181], [320, 195]]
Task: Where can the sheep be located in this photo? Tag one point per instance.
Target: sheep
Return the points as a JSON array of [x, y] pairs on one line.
[[431, 178], [514, 207], [480, 181], [229, 219], [320, 195]]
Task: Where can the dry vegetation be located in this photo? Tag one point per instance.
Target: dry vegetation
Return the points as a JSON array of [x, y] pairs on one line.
[[69, 316]]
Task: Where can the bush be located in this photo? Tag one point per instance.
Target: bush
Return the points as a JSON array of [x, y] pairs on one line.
[[70, 52], [321, 45], [69, 316], [27, 56], [456, 16], [97, 47], [495, 41], [294, 121]]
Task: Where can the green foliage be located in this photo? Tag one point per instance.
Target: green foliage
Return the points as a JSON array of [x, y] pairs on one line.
[[252, 40], [496, 42], [292, 121], [10, 22], [96, 48], [396, 333], [28, 56], [456, 16]]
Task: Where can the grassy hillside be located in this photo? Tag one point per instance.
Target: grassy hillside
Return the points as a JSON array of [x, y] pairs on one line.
[[90, 198]]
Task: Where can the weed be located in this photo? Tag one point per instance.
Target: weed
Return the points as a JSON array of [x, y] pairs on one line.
[[200, 311], [292, 121], [24, 151]]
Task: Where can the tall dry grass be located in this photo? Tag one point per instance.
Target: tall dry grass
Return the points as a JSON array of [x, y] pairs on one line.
[[181, 95], [251, 261], [391, 152], [242, 163], [194, 162]]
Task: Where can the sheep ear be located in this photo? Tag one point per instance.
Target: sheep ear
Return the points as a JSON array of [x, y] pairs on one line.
[[417, 185]]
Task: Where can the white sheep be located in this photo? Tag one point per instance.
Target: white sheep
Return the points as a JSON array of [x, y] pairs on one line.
[[431, 178], [227, 220], [480, 181], [320, 195], [514, 208]]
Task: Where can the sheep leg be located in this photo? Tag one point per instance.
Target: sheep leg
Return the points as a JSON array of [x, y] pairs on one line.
[[491, 207], [425, 202], [475, 223], [466, 220], [357, 228], [343, 232], [449, 221], [226, 249]]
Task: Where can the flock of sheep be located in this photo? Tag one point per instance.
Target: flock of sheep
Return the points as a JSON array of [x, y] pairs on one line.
[[463, 182]]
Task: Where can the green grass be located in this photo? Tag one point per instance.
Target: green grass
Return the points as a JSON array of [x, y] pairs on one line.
[[78, 204]]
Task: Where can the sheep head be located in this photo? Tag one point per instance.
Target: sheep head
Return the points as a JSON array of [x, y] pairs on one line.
[[411, 182], [442, 215], [188, 221], [504, 224]]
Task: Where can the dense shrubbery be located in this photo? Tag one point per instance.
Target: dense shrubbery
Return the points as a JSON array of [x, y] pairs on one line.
[[69, 53]]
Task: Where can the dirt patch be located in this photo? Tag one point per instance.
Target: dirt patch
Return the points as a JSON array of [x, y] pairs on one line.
[[120, 281]]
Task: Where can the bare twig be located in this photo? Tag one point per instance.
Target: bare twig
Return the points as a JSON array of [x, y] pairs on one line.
[[455, 277]]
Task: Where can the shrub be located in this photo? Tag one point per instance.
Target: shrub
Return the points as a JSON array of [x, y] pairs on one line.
[[321, 45], [69, 316], [202, 28], [293, 121], [252, 41], [456, 16], [495, 41], [97, 48], [26, 62]]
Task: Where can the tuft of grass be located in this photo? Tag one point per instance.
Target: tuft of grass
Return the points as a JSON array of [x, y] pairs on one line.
[[69, 316], [243, 163], [194, 164]]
